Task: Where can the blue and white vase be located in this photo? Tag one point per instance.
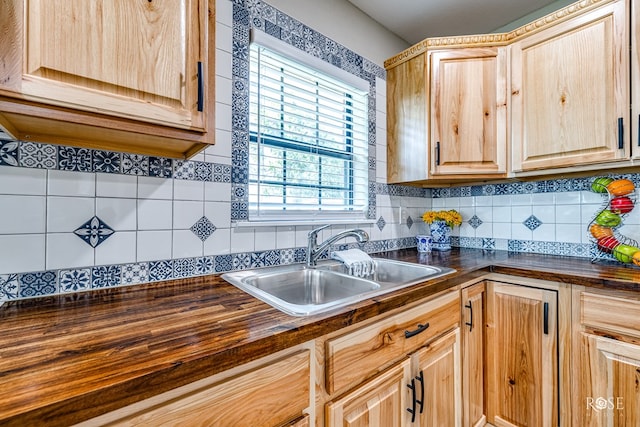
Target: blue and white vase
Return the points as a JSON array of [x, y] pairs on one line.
[[441, 235], [423, 243]]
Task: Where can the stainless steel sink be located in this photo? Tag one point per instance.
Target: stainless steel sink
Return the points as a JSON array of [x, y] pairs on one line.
[[301, 291]]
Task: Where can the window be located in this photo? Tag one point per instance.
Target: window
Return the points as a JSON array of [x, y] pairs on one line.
[[308, 150]]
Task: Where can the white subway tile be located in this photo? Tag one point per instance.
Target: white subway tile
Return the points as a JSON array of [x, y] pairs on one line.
[[242, 239], [544, 233], [67, 214], [217, 191], [223, 64], [22, 214], [155, 188], [65, 183], [23, 181], [186, 213], [520, 232], [519, 214], [219, 213], [545, 213], [570, 233], [155, 214], [119, 214], [113, 185], [568, 214], [119, 248], [223, 116], [186, 244], [224, 35], [20, 253], [154, 245], [265, 238], [223, 90], [66, 250], [188, 190], [219, 243], [285, 237]]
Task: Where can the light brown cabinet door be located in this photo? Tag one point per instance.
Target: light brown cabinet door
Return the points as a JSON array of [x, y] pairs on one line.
[[438, 366], [610, 377], [128, 58], [473, 336], [407, 121], [378, 403], [522, 356], [570, 91], [469, 111]]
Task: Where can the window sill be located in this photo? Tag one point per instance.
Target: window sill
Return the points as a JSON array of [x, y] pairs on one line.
[[293, 223]]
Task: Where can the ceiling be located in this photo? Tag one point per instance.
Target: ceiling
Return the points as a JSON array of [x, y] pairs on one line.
[[415, 20]]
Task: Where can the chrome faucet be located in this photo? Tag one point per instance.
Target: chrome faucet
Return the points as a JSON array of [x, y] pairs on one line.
[[314, 249]]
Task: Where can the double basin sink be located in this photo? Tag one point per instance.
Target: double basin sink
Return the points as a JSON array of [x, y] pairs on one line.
[[300, 291]]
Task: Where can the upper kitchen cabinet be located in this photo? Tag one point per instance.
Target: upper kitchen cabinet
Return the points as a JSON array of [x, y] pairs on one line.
[[570, 89], [127, 75], [407, 117], [469, 111]]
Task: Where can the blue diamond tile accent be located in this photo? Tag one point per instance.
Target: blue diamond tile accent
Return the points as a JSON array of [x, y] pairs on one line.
[[409, 222], [532, 223], [381, 223], [474, 221], [94, 231], [203, 228]]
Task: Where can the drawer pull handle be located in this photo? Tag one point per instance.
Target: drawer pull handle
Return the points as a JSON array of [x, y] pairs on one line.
[[438, 153], [421, 401], [470, 322], [412, 410], [546, 318], [421, 328], [620, 133]]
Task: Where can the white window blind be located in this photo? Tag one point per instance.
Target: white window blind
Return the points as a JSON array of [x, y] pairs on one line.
[[308, 151]]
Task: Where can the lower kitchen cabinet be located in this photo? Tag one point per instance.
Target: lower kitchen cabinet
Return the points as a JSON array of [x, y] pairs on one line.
[[472, 341], [522, 355], [608, 359], [275, 392]]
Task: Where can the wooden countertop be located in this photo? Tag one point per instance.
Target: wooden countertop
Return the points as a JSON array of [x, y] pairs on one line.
[[68, 358]]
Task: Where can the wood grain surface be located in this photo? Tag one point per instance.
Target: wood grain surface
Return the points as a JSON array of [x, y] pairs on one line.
[[68, 358]]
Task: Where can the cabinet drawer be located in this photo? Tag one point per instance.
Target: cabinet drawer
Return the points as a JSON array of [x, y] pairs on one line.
[[611, 313], [272, 394], [357, 355]]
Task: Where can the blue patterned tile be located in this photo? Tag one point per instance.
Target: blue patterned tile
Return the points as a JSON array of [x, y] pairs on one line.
[[532, 222], [474, 222], [203, 228], [9, 286], [184, 267], [239, 211], [205, 265], [160, 167], [42, 156], [287, 256], [135, 273], [203, 171], [241, 261], [74, 280], [223, 263], [74, 159], [106, 276], [488, 243], [135, 164], [9, 153], [38, 284], [160, 270], [300, 254], [222, 173], [381, 223], [184, 169], [94, 232], [240, 15], [106, 161]]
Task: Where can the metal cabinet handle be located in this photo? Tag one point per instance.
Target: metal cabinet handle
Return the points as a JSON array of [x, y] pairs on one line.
[[546, 318], [412, 410], [470, 322], [421, 401], [620, 133], [200, 87], [438, 153], [421, 328]]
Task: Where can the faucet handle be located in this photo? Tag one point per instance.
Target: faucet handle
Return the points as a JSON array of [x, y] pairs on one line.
[[313, 233]]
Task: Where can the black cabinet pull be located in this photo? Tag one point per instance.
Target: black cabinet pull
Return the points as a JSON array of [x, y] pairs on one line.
[[470, 322], [421, 328], [438, 153], [421, 401], [200, 87], [620, 133], [546, 318], [412, 410]]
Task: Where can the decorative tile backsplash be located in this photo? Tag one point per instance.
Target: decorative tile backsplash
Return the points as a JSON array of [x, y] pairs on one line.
[[74, 219]]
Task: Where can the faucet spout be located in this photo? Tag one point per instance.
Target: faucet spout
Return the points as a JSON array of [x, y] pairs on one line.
[[314, 250]]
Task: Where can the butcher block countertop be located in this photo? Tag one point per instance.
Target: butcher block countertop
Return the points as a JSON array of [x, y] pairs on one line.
[[68, 358]]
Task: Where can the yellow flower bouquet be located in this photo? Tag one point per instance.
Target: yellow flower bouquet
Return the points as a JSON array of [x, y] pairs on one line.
[[451, 217]]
